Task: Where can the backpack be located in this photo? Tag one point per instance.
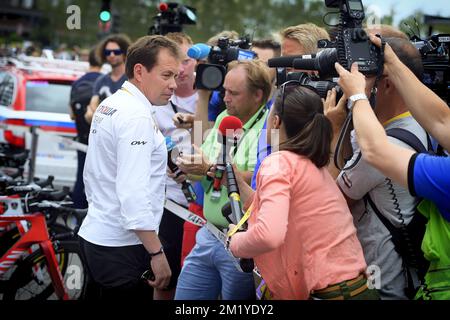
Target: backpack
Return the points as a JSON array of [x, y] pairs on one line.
[[408, 239], [80, 97]]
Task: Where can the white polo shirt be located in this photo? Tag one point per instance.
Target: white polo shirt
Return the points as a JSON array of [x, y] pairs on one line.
[[125, 170]]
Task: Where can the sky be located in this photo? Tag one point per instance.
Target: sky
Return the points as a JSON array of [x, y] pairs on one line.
[[404, 8]]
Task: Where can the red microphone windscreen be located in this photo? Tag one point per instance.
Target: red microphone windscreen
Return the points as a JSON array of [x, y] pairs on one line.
[[229, 125]]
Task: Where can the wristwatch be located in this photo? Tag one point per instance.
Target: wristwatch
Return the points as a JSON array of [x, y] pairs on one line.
[[156, 253], [352, 100]]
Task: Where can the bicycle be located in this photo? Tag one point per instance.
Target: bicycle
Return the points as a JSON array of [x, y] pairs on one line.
[[37, 275]]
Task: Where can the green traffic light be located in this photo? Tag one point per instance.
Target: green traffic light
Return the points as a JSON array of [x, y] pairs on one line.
[[105, 16]]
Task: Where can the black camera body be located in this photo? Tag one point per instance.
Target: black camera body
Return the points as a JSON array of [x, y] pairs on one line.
[[171, 18], [435, 52], [211, 75], [321, 86], [352, 42]]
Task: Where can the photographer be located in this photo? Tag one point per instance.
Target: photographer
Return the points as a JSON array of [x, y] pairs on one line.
[[375, 200], [297, 202], [425, 175], [210, 104], [209, 271], [295, 40]]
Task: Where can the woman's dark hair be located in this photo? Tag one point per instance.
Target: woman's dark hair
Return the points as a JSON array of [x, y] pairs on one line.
[[309, 132]]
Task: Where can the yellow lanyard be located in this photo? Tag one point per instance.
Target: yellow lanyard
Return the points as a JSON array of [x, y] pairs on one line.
[[156, 126], [400, 116], [241, 222], [124, 89]]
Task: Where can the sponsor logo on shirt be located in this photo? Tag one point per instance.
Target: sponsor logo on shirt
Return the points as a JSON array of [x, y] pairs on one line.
[[139, 143], [107, 111]]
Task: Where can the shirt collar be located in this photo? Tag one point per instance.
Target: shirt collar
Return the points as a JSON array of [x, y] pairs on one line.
[[252, 120], [400, 116], [134, 91]]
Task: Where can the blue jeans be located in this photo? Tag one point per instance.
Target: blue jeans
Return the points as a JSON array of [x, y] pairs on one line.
[[209, 271]]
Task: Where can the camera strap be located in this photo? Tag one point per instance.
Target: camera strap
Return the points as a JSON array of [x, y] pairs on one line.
[[174, 107], [348, 120], [381, 62]]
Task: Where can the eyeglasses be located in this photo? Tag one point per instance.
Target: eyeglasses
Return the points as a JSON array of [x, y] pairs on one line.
[[292, 83], [117, 52]]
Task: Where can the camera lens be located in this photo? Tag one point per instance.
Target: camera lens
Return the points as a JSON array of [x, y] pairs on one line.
[[212, 77]]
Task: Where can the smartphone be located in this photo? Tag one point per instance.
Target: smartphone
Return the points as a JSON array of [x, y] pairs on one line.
[[148, 275]]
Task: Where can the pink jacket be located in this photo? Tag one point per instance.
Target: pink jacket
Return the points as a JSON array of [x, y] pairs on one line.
[[301, 233]]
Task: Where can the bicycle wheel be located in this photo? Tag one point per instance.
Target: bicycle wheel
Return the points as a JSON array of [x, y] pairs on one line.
[[31, 279]]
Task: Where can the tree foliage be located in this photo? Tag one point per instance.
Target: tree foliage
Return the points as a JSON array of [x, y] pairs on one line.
[[260, 18]]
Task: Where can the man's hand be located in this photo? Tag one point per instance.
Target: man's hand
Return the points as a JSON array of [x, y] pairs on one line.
[[91, 108], [162, 272], [336, 113], [390, 58], [178, 179], [237, 174], [196, 164], [353, 82], [183, 120]]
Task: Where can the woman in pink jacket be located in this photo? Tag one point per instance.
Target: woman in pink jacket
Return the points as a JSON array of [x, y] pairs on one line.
[[301, 233]]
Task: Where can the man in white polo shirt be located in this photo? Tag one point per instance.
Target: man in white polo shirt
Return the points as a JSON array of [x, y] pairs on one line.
[[125, 176]]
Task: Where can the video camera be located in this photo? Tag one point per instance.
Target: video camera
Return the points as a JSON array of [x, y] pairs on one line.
[[435, 53], [212, 74], [321, 86], [171, 18], [352, 44]]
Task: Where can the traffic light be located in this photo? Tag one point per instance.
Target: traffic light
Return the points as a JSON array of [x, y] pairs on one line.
[[115, 28], [105, 11]]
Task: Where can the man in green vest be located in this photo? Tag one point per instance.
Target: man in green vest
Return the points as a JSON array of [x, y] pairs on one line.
[[209, 270]]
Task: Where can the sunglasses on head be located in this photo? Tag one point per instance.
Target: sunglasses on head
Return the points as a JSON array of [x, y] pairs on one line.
[[116, 52], [292, 83]]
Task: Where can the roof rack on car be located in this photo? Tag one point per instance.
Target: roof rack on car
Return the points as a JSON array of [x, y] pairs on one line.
[[49, 65]]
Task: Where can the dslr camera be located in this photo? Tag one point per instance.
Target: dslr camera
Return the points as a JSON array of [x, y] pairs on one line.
[[321, 86], [435, 53], [211, 75], [352, 44]]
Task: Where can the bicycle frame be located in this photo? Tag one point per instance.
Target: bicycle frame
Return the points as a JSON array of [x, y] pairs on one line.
[[37, 234]]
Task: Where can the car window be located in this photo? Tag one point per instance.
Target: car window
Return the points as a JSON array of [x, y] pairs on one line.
[[46, 96], [6, 88]]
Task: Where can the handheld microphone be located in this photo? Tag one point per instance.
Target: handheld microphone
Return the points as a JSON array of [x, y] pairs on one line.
[[186, 187], [233, 195], [287, 61], [228, 136], [199, 51], [246, 265]]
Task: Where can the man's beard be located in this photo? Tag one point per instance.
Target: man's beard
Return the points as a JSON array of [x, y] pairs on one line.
[[115, 65]]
